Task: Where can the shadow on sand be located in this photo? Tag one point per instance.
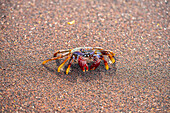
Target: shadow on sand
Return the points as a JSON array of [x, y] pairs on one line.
[[76, 72]]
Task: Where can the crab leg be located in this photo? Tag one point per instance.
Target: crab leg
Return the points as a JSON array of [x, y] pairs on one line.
[[61, 51], [98, 48], [111, 58], [55, 58], [82, 64], [105, 63], [63, 63], [69, 65], [110, 55], [95, 64]]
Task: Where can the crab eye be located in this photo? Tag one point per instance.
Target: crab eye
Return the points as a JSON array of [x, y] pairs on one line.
[[85, 55]]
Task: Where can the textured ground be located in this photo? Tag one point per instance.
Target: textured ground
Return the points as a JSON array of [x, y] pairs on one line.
[[136, 31]]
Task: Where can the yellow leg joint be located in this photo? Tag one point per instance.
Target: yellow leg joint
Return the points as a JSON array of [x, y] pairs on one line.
[[106, 66], [112, 59], [68, 69]]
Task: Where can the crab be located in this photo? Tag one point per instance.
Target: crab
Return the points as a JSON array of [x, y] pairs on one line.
[[82, 54]]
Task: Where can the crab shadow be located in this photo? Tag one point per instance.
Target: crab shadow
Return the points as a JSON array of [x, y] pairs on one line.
[[76, 73]]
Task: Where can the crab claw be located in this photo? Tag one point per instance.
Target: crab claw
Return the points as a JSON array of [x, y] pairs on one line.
[[95, 64], [82, 64]]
